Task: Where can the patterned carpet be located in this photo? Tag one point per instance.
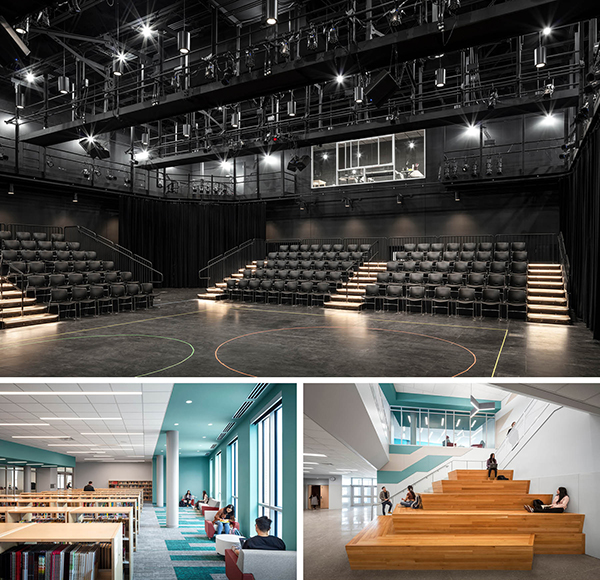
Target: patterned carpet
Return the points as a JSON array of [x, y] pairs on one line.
[[183, 553]]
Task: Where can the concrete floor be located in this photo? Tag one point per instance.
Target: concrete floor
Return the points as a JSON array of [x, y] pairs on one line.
[[326, 533], [184, 337]]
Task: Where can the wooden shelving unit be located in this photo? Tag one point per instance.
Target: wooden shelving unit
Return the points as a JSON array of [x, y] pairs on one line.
[[145, 486], [14, 534]]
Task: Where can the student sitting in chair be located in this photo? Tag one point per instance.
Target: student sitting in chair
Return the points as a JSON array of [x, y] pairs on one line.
[[188, 499], [204, 501], [558, 506], [262, 541], [224, 521]]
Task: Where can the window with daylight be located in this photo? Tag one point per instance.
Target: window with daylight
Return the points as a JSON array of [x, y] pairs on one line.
[[270, 472], [211, 477], [388, 158], [218, 476], [233, 472]]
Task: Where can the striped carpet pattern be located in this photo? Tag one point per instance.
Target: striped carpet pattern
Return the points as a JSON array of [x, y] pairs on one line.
[[184, 553]]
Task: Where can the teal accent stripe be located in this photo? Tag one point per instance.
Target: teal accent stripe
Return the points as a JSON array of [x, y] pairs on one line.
[[423, 465], [404, 449]]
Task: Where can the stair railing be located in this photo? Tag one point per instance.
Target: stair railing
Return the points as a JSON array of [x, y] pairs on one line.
[[124, 259], [223, 265], [566, 269]]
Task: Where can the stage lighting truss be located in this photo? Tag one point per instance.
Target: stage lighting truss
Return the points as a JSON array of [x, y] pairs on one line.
[[548, 89]]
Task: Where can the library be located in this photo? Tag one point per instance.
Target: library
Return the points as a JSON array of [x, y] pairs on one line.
[[275, 175], [443, 478], [127, 480]]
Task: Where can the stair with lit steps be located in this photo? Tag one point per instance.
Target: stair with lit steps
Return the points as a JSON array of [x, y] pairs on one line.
[[18, 310], [547, 300], [350, 296], [217, 292]]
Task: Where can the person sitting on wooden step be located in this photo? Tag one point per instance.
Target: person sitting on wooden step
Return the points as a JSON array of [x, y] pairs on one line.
[[558, 506], [492, 465]]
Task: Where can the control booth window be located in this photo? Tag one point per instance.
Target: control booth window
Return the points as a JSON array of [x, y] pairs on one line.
[[371, 160]]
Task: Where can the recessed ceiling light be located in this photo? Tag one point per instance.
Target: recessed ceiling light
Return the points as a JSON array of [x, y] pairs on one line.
[[80, 452], [81, 419], [72, 445], [210, 424], [203, 436], [24, 424], [338, 469], [109, 433], [308, 468], [17, 462], [188, 402], [310, 463], [66, 393], [314, 455], [175, 424], [41, 437]]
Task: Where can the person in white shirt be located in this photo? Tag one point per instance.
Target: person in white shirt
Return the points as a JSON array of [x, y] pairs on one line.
[[558, 506]]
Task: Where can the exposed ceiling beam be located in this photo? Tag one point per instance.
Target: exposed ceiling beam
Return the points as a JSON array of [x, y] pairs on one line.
[[473, 114], [485, 26], [94, 65]]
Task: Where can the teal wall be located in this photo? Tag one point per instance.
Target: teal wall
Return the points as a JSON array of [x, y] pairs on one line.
[[193, 475], [17, 452], [247, 435]]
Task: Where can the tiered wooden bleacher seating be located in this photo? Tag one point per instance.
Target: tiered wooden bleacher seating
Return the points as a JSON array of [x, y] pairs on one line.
[[469, 522]]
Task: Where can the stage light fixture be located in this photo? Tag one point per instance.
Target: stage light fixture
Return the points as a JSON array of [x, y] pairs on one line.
[[250, 61], [493, 99], [235, 120], [339, 79], [472, 131], [539, 56], [145, 138], [313, 38], [411, 144], [548, 89], [440, 77], [456, 196], [186, 129], [332, 35], [271, 12], [118, 66], [347, 202], [30, 77], [19, 100], [302, 206], [568, 146], [465, 167], [325, 156], [184, 41], [86, 173], [488, 167], [63, 85], [229, 72], [11, 189], [499, 165], [23, 26], [394, 16], [293, 164], [583, 114], [399, 198], [359, 95], [209, 72], [291, 107], [146, 31], [284, 48], [75, 198], [268, 65], [547, 31]]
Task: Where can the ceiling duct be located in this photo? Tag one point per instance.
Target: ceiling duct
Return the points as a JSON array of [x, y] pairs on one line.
[[244, 407]]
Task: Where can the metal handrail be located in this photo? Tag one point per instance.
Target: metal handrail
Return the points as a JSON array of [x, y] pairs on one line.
[[224, 255], [144, 262], [220, 260]]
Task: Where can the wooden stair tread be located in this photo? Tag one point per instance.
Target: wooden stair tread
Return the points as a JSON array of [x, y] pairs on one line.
[[544, 291], [548, 308], [468, 474], [553, 317], [500, 501]]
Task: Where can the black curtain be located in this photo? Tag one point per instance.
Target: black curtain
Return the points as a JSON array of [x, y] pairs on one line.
[[180, 238], [580, 224]]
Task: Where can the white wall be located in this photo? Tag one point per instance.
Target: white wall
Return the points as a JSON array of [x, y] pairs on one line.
[[564, 452], [46, 479], [100, 473], [335, 491]]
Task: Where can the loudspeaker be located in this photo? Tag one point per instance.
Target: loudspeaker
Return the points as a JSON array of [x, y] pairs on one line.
[[303, 162], [381, 88], [94, 149]]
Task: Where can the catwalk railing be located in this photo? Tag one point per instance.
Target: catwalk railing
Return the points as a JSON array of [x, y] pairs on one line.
[[223, 265], [124, 259]]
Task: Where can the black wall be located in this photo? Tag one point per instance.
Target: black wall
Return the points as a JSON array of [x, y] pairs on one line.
[[37, 204]]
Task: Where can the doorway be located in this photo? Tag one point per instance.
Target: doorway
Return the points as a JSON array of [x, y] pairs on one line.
[[322, 493]]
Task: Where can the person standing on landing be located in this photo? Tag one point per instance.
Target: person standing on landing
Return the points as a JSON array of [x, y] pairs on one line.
[[384, 497]]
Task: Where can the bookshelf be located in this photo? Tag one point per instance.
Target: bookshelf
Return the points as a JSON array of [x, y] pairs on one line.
[[145, 486], [110, 533]]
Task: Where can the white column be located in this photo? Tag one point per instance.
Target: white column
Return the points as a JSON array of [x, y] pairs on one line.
[[27, 479], [172, 479], [160, 481]]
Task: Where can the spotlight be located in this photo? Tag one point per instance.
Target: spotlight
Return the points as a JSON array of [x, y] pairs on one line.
[[592, 86], [184, 41], [394, 16], [291, 108], [456, 196], [228, 72], [209, 73], [332, 35], [146, 31], [94, 149], [118, 67], [359, 95], [284, 49], [313, 38], [472, 131], [499, 164], [30, 77], [250, 61], [145, 138], [302, 206], [493, 99], [592, 76], [75, 198], [186, 129], [20, 100], [465, 167], [547, 31], [583, 114], [453, 6], [86, 173], [11, 189], [271, 13], [235, 120], [63, 85], [347, 202], [548, 89], [440, 77], [399, 199], [22, 27], [293, 164], [568, 146], [143, 155], [539, 56], [411, 144], [339, 79], [325, 156], [488, 167], [303, 162]]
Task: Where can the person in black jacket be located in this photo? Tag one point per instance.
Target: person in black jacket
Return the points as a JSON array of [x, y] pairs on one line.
[[262, 541], [492, 465], [89, 487]]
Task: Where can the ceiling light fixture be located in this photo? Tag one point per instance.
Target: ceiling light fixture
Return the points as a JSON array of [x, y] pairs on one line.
[[188, 401], [314, 455], [63, 85], [30, 77], [184, 42], [81, 419], [65, 393], [340, 79], [41, 437], [24, 424], [109, 433], [440, 77], [359, 95], [539, 56], [271, 12]]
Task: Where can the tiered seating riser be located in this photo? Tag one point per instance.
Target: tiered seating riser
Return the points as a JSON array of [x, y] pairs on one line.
[[482, 501], [442, 557], [459, 486], [477, 474]]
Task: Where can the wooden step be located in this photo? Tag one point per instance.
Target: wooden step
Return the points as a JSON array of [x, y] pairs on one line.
[[376, 548], [544, 292], [343, 305], [214, 290], [553, 318], [481, 501], [547, 309], [27, 310], [544, 265], [493, 522], [11, 293], [559, 300], [237, 276], [14, 302], [491, 486], [477, 474], [534, 285], [545, 278], [357, 291], [19, 321], [346, 298], [221, 284]]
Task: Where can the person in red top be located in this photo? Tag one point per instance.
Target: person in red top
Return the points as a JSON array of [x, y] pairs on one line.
[[224, 521], [558, 506]]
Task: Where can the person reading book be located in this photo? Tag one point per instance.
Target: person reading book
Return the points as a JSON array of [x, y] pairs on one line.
[[224, 521]]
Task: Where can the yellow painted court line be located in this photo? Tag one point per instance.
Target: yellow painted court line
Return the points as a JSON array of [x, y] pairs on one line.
[[500, 352]]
